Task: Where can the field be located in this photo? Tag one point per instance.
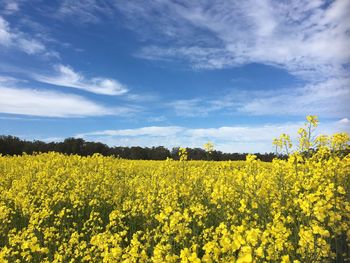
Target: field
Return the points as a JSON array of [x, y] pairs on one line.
[[59, 208]]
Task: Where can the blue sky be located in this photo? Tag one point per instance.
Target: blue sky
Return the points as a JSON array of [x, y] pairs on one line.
[[173, 73]]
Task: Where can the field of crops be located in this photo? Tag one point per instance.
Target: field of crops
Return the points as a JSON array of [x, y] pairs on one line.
[[62, 208]]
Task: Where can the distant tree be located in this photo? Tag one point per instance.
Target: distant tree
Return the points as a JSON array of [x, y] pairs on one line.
[[174, 153], [10, 145], [89, 148], [138, 153], [73, 146], [195, 154], [158, 153]]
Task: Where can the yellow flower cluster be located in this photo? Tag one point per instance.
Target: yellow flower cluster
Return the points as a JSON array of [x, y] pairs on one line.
[[58, 208]]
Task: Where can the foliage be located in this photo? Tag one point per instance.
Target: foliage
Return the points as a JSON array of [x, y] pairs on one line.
[[14, 146]]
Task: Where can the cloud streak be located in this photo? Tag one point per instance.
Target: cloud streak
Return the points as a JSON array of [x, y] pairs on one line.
[[43, 103], [292, 35], [328, 99], [309, 40], [325, 98], [65, 76], [200, 107], [228, 139], [12, 38], [87, 11]]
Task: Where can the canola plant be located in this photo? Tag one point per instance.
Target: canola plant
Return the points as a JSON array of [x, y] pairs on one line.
[[59, 208]]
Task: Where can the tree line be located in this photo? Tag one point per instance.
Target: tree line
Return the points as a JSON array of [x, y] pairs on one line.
[[11, 145]]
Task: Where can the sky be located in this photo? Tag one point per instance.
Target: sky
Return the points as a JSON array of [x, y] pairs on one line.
[[173, 73]]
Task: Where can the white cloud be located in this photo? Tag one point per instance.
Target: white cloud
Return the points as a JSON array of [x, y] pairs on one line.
[[200, 107], [67, 77], [160, 118], [16, 118], [9, 7], [5, 35], [144, 97], [9, 80], [11, 38], [49, 139], [86, 11], [293, 35], [199, 57], [30, 46], [326, 99], [309, 40], [12, 7], [51, 104], [152, 131], [228, 139], [344, 121]]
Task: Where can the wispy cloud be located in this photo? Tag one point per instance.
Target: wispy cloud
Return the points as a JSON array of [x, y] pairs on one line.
[[9, 7], [294, 35], [9, 80], [145, 97], [5, 35], [87, 11], [325, 98], [153, 131], [291, 35], [344, 121], [47, 104], [13, 38], [159, 118], [227, 139], [200, 106], [11, 118], [329, 99], [44, 103], [67, 77], [309, 40]]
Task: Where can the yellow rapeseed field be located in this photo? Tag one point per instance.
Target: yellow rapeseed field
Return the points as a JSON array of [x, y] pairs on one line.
[[59, 208]]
